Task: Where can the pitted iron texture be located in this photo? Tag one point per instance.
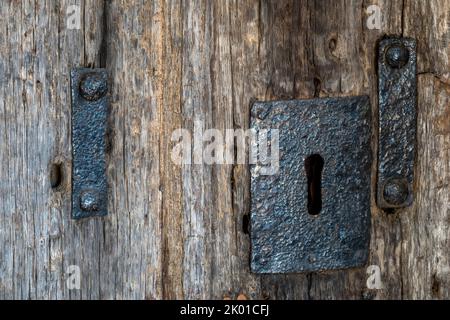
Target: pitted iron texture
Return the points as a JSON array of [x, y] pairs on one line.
[[397, 90], [89, 119], [285, 236]]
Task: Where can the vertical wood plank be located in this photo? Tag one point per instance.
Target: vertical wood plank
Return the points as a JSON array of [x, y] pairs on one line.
[[38, 53], [426, 239]]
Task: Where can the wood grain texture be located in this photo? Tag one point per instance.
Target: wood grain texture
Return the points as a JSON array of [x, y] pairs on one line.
[[180, 231]]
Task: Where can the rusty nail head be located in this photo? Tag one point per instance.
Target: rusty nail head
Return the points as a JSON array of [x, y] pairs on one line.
[[397, 56], [93, 87], [89, 201], [395, 191]]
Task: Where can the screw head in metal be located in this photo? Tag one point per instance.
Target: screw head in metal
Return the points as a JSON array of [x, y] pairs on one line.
[[395, 191], [397, 56], [93, 86], [261, 113], [89, 201]]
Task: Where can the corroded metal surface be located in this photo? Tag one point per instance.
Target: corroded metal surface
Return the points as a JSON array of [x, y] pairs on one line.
[[397, 121], [285, 237], [89, 117]]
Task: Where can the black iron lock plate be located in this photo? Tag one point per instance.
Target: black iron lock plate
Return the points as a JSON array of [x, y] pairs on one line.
[[314, 212], [397, 91], [89, 120]]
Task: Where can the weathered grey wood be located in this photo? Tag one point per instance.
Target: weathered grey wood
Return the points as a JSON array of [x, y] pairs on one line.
[[178, 231], [425, 235], [425, 226]]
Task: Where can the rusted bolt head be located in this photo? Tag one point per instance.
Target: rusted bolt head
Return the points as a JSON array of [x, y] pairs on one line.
[[395, 191], [93, 86], [397, 56], [89, 201], [261, 112]]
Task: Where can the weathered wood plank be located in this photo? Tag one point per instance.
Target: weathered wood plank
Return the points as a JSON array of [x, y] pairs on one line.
[[180, 231], [133, 230], [425, 232], [170, 71], [39, 239], [425, 226]]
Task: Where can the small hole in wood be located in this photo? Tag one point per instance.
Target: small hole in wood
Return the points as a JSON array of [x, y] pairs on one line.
[[56, 175], [317, 87], [389, 210], [313, 167], [332, 44], [245, 223]]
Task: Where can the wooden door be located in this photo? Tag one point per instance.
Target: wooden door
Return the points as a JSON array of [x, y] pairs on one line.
[[181, 231]]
